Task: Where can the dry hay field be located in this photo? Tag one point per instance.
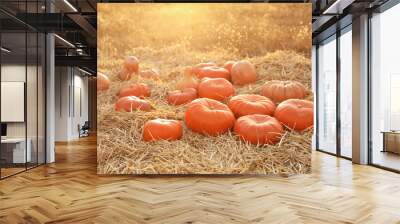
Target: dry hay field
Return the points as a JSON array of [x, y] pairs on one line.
[[276, 38]]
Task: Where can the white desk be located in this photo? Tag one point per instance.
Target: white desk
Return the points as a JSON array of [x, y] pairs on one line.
[[18, 149]]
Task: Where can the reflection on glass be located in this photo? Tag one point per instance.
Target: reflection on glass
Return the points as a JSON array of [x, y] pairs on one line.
[[31, 97], [327, 96], [23, 91], [346, 94], [385, 114], [14, 153]]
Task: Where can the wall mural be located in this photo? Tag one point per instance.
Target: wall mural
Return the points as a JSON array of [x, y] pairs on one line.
[[204, 89]]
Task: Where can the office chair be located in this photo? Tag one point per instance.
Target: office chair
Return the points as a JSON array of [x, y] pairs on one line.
[[84, 130]]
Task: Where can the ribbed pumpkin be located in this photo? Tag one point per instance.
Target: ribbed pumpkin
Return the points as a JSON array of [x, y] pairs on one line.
[[124, 74], [131, 64], [296, 114], [103, 82], [196, 69], [247, 104], [179, 97], [209, 117], [214, 72], [187, 81], [243, 72], [215, 88], [279, 91], [258, 129], [162, 129], [132, 103], [136, 89], [228, 65], [150, 74]]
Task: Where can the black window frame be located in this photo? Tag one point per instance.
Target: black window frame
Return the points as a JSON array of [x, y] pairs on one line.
[[29, 29], [336, 31]]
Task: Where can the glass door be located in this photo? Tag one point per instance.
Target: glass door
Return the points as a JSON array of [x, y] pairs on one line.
[[345, 93], [326, 117]]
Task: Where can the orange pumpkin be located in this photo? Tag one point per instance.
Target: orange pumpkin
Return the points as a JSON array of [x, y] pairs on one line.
[[215, 88], [179, 97], [103, 82], [136, 89], [131, 64], [247, 104], [214, 72], [188, 81], [124, 75], [296, 114], [150, 74], [243, 72], [258, 129], [131, 103], [209, 117], [196, 69], [162, 129], [228, 65], [279, 91]]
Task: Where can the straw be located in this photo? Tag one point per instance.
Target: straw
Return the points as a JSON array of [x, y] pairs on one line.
[[121, 149]]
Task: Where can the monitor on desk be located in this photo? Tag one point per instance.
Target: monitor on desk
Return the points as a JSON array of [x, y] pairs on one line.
[[3, 130]]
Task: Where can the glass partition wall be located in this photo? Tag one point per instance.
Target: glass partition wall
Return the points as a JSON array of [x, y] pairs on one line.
[[385, 89], [22, 77], [13, 90], [345, 93], [334, 126], [333, 101], [327, 95]]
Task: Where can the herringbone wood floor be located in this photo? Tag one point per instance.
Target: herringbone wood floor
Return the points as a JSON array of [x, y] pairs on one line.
[[69, 191]]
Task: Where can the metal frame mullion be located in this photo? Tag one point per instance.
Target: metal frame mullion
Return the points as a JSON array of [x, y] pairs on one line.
[[44, 80], [338, 77], [369, 78], [316, 96], [37, 91], [0, 98], [26, 88]]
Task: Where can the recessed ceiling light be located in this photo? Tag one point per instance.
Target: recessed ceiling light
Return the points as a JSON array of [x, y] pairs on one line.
[[65, 41], [84, 71], [337, 7], [70, 5], [5, 50]]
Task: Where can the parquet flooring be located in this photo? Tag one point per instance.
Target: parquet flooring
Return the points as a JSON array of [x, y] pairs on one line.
[[70, 191]]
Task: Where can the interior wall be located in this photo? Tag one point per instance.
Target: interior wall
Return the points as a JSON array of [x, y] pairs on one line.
[[61, 103], [82, 82], [16, 73], [360, 89], [71, 102]]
